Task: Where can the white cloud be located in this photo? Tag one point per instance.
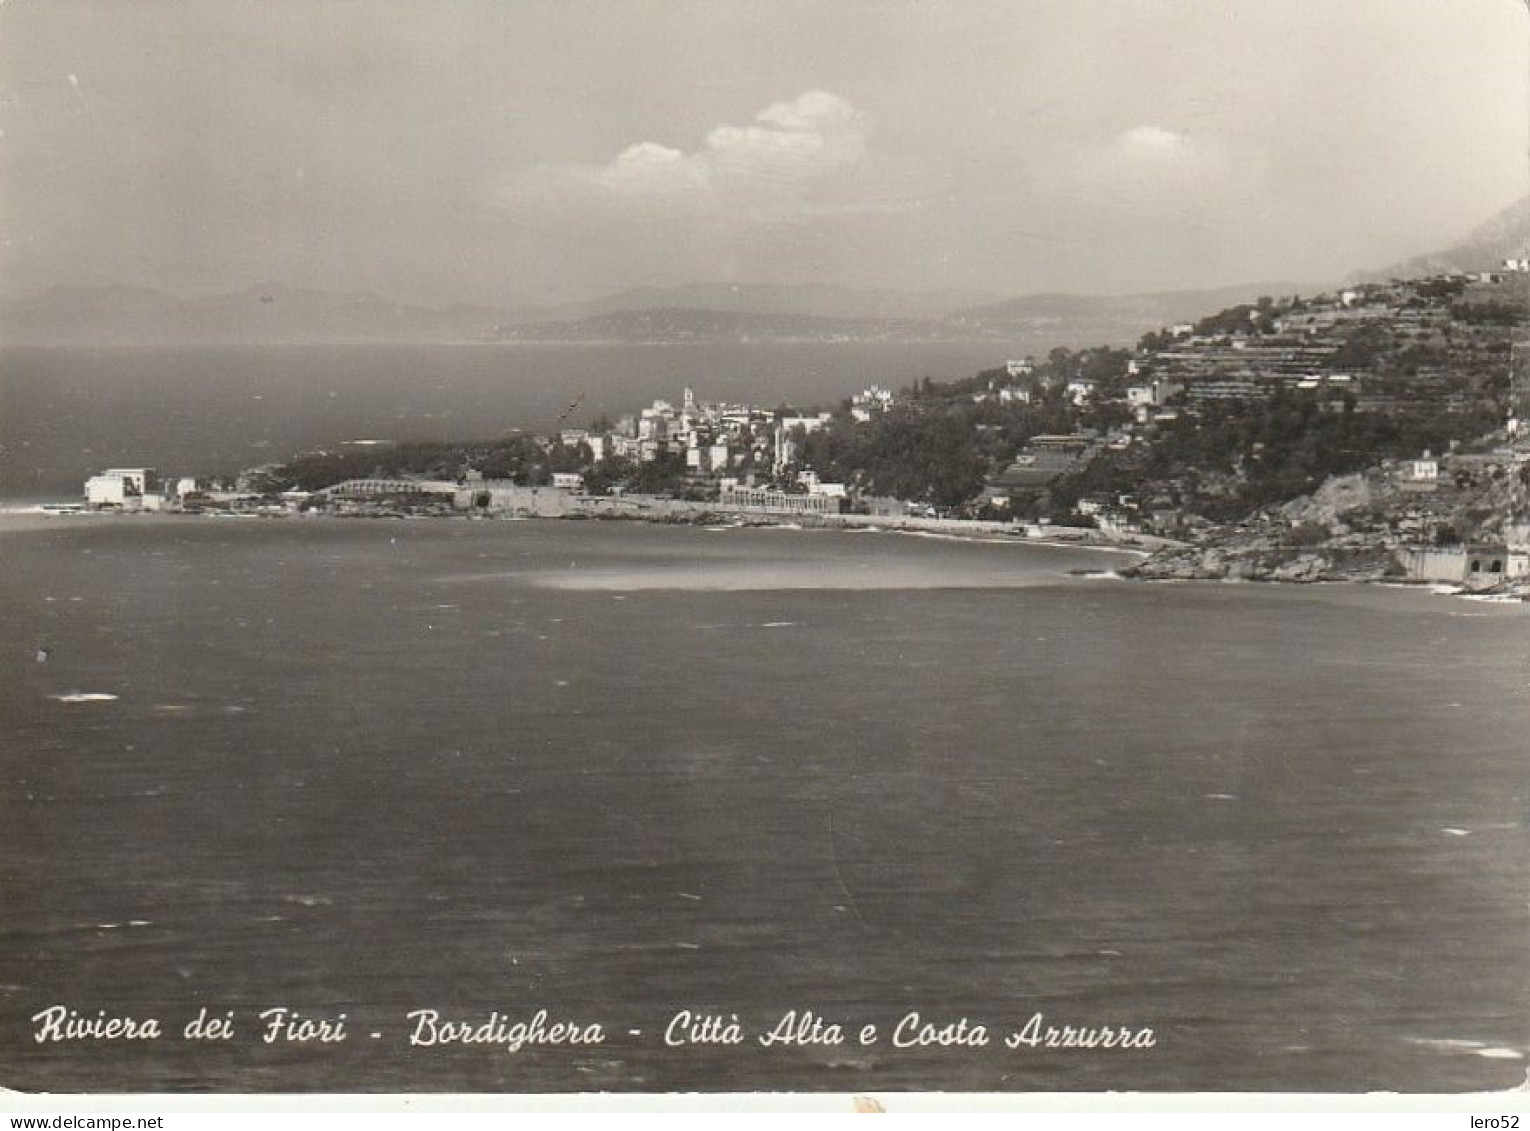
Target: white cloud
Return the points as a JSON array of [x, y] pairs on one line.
[[651, 169], [1153, 139], [763, 167], [790, 141]]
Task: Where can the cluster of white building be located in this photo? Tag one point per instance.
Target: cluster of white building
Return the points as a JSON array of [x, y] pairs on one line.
[[135, 489], [142, 490], [870, 401], [716, 440]]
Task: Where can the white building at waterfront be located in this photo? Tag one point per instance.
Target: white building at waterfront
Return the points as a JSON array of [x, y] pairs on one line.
[[128, 488]]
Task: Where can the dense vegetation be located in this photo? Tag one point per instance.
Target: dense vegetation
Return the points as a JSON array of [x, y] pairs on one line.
[[1235, 458], [517, 457]]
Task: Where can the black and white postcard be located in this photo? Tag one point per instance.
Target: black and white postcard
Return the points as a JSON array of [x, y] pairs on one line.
[[749, 546]]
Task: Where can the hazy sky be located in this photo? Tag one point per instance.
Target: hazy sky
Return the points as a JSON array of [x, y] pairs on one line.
[[520, 152]]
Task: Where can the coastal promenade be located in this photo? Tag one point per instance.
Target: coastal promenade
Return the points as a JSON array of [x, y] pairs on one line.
[[680, 512], [653, 508]]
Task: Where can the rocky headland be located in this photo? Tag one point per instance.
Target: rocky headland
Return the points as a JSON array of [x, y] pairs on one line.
[[1368, 526]]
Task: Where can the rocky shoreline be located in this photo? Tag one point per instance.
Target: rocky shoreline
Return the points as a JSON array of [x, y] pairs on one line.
[[1356, 528], [1233, 562], [1235, 558]]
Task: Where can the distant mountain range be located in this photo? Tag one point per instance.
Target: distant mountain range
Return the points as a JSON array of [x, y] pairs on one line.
[[268, 313], [817, 300], [1114, 318], [1484, 248], [715, 312], [272, 313], [1053, 318]]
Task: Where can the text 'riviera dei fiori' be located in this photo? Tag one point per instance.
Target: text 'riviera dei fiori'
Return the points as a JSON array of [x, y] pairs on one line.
[[428, 1028]]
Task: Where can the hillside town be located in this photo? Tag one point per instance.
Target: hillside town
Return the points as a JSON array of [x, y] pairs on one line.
[[1375, 431]]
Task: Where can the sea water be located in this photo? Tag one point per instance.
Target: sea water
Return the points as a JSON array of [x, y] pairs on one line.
[[302, 770]]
